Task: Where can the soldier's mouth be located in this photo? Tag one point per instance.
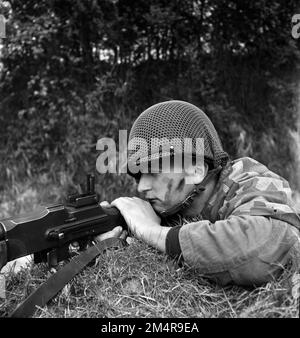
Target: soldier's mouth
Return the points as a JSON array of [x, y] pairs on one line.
[[152, 200]]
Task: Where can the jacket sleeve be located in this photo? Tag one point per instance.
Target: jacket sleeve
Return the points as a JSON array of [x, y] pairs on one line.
[[251, 243]]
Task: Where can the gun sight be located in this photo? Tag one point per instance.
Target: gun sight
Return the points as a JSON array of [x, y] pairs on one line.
[[87, 198]]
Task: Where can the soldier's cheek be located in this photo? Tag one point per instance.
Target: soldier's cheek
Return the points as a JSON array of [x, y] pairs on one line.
[[161, 194]]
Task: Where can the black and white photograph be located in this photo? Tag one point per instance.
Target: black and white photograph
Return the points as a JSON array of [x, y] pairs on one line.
[[149, 162]]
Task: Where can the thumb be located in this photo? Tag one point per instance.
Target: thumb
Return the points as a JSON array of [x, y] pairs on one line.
[[105, 204], [116, 232]]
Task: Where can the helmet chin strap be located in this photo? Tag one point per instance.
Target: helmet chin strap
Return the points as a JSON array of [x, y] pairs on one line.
[[200, 187]]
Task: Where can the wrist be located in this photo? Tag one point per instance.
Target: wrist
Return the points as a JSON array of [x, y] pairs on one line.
[[157, 237]]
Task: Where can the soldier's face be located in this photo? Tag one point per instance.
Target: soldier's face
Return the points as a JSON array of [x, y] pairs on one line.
[[164, 190]]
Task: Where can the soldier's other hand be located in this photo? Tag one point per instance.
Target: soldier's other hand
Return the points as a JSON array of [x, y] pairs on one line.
[[105, 204]]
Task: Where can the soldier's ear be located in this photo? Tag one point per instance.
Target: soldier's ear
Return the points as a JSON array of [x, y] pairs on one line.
[[196, 174]]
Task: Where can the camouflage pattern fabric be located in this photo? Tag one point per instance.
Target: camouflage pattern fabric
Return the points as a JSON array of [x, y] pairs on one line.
[[247, 187], [249, 229]]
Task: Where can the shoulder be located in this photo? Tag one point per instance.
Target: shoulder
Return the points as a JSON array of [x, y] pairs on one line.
[[246, 164], [247, 168], [256, 183]]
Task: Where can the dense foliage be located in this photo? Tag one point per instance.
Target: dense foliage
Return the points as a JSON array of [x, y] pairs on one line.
[[75, 71]]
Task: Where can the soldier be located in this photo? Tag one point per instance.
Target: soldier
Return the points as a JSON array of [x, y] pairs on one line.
[[243, 226]]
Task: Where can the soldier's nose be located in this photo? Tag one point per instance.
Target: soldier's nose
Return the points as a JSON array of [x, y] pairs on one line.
[[144, 184]]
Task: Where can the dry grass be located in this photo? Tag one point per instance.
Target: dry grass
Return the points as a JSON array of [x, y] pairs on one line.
[[137, 281]]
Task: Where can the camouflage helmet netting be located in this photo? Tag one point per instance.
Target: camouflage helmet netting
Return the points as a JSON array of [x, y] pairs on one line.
[[176, 119]]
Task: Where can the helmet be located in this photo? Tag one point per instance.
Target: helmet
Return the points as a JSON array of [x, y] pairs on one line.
[[169, 124]]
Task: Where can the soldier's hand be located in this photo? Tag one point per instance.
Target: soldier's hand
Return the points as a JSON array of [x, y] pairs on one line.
[[142, 221]]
